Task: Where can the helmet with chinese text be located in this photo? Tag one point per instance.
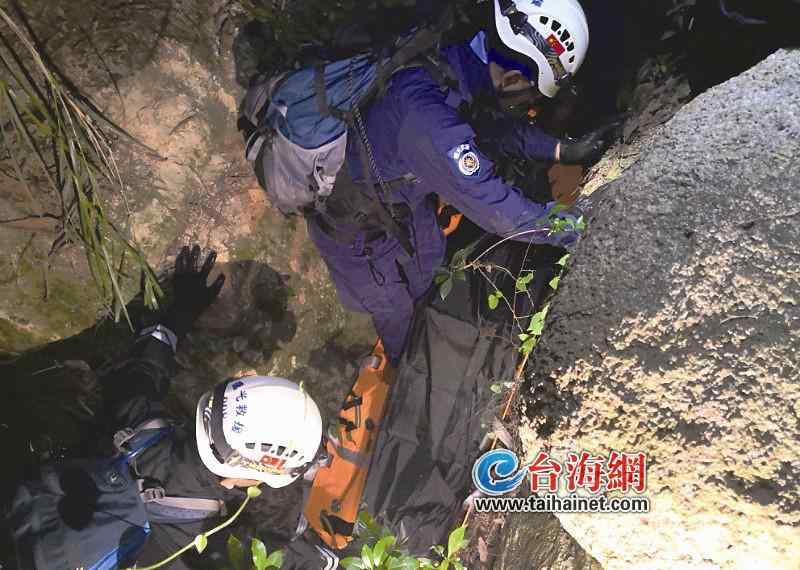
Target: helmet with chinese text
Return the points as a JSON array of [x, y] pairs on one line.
[[258, 427]]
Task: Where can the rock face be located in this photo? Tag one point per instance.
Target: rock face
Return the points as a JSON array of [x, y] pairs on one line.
[[676, 332], [539, 541]]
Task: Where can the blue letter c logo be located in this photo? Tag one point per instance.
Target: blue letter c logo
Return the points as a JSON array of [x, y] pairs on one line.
[[505, 465]]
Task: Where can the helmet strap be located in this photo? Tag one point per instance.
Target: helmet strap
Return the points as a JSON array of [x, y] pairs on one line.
[[517, 19], [513, 101]]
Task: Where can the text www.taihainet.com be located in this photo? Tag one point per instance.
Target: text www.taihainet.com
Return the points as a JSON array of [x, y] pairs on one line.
[[559, 504]]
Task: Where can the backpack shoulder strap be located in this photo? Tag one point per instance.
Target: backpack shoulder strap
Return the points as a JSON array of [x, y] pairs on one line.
[[423, 42], [131, 442], [125, 435], [440, 69], [162, 508]]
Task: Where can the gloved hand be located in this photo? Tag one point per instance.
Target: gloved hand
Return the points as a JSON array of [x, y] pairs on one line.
[[191, 294], [589, 148]]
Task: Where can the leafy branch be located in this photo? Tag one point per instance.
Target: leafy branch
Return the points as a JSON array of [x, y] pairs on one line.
[[51, 138]]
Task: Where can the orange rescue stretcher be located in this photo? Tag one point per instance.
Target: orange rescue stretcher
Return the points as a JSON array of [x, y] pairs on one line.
[[335, 497]]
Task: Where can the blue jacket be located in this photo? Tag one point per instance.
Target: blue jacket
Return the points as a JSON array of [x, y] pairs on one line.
[[416, 128]]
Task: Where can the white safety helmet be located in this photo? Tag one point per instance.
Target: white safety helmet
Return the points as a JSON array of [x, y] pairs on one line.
[[554, 34], [258, 427]]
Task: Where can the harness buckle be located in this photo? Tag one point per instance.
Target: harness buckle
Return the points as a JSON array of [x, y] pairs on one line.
[[122, 437], [153, 494]]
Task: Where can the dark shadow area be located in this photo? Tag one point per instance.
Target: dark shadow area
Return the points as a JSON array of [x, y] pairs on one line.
[[725, 37], [52, 396], [326, 368], [763, 491], [79, 503]]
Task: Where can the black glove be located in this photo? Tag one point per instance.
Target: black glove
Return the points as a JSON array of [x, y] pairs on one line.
[[590, 147], [191, 295]]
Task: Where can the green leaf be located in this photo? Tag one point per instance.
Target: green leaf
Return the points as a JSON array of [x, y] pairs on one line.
[[522, 282], [366, 556], [461, 275], [259, 552], [200, 542], [379, 551], [352, 563], [528, 345], [460, 257], [554, 282], [456, 541], [253, 492], [405, 562], [275, 560], [494, 299], [370, 526], [445, 288], [537, 322], [496, 388], [537, 325], [444, 565], [441, 276], [236, 553], [563, 261]]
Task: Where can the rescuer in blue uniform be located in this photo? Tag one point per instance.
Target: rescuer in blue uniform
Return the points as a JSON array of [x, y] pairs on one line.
[[419, 140]]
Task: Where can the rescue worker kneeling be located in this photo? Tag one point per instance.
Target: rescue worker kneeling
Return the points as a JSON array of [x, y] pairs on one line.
[[247, 431], [421, 145]]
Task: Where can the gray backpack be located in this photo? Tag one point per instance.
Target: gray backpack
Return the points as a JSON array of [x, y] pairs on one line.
[[93, 513], [296, 126]]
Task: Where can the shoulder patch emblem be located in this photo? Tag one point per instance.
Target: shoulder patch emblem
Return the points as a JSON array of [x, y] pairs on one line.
[[466, 159], [469, 164]]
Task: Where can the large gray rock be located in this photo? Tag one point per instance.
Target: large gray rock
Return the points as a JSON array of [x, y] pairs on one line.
[[676, 332]]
